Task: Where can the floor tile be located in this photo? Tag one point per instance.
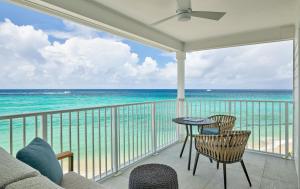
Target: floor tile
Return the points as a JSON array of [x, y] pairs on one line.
[[266, 172]]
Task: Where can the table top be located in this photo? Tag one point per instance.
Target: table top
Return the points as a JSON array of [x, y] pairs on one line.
[[196, 121]]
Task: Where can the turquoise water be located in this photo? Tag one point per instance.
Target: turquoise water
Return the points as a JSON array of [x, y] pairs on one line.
[[95, 132], [21, 101]]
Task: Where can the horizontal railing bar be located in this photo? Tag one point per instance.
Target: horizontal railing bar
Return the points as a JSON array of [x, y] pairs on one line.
[[229, 100], [31, 114], [283, 124]]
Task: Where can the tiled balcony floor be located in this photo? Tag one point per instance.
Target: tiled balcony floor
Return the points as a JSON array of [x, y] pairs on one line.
[[266, 172]]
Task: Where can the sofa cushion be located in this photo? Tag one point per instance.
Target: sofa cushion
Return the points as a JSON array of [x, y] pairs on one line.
[[12, 170], [73, 180], [39, 155], [34, 183]]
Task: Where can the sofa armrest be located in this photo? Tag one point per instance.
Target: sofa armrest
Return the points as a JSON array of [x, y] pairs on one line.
[[68, 155]]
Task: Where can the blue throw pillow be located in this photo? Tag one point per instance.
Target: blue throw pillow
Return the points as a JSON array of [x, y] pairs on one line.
[[39, 155], [210, 131]]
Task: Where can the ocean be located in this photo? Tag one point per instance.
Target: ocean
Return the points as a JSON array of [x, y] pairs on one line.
[[34, 100]]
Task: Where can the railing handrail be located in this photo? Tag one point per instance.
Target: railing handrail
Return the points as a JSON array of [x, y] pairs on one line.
[[29, 114], [20, 115], [240, 100]]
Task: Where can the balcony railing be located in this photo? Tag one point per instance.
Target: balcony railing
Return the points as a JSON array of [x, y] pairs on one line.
[[270, 122], [104, 139], [107, 139]]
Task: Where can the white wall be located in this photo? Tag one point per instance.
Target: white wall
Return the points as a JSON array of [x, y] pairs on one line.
[[296, 93]]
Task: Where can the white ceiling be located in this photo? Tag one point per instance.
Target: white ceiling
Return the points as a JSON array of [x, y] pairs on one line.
[[246, 21], [242, 16]]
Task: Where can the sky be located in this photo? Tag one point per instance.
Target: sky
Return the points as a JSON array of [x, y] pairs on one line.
[[39, 51]]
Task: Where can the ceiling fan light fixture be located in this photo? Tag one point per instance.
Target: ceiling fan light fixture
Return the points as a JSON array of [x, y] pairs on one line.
[[184, 13]]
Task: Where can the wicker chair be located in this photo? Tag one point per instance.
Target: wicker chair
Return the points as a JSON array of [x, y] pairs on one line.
[[223, 123], [225, 148]]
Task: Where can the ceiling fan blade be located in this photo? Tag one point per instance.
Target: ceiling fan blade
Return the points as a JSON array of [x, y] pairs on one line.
[[184, 4], [208, 14], [163, 20]]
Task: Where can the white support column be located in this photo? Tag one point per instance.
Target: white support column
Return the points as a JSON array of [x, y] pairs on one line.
[[296, 96], [296, 93], [180, 57]]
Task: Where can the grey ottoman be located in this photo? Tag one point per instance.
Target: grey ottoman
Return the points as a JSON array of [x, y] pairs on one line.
[[153, 176]]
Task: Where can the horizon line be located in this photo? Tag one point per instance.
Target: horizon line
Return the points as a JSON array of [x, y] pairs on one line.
[[135, 89]]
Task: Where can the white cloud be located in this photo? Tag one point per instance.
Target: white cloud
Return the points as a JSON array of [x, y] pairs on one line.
[[84, 60], [21, 39], [265, 66], [78, 62]]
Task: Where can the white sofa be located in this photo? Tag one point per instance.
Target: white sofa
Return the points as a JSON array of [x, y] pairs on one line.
[[15, 174]]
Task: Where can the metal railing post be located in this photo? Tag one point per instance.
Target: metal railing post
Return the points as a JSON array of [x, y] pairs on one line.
[[286, 130], [229, 107], [180, 113], [115, 140], [44, 127], [154, 134], [10, 136], [186, 108], [177, 115]]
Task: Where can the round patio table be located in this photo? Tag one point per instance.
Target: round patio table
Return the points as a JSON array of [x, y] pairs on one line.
[[189, 123]]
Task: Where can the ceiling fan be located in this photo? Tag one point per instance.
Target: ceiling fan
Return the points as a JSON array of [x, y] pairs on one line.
[[184, 13]]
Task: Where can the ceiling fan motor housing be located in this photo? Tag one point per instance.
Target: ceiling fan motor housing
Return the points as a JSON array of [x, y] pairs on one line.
[[184, 15]]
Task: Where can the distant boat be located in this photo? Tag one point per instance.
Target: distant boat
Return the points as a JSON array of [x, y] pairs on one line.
[[208, 90]]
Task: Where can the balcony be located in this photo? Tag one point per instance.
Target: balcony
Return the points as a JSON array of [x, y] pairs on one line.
[[110, 140], [265, 171]]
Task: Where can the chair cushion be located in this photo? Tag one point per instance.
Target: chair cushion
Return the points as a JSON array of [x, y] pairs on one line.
[[12, 170], [34, 183], [39, 155], [210, 131], [73, 180]]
